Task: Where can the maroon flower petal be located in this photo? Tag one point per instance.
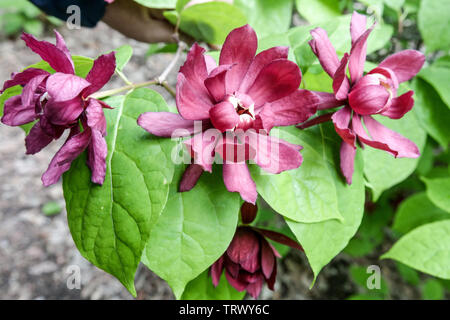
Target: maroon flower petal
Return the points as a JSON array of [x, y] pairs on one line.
[[341, 85], [101, 72], [190, 177], [37, 139], [210, 63], [324, 50], [357, 26], [254, 289], [272, 279], [400, 106], [268, 259], [239, 48], [244, 249], [405, 64], [347, 154], [216, 271], [167, 124], [341, 121], [215, 83], [236, 177], [22, 78], [97, 153], [193, 102], [61, 45], [62, 160], [384, 138], [201, 146], [261, 60], [327, 100], [64, 112], [55, 57], [293, 109], [63, 87], [224, 116], [276, 80], [29, 90], [16, 114], [280, 238], [235, 283], [368, 100], [358, 56], [95, 116]]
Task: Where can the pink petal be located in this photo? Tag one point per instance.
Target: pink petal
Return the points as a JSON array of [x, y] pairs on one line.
[[193, 102], [276, 80], [210, 63], [62, 160], [341, 85], [327, 100], [357, 26], [101, 72], [224, 116], [167, 124], [261, 60], [190, 177], [389, 74], [358, 56], [97, 153], [55, 57], [347, 154], [368, 100], [384, 138], [234, 147], [267, 259], [400, 106], [274, 155], [216, 271], [405, 64], [280, 238], [324, 50], [293, 109], [22, 78], [95, 116], [64, 112], [16, 114], [29, 90], [61, 45], [341, 121], [236, 177], [63, 87], [215, 83], [37, 139], [239, 48], [202, 147]]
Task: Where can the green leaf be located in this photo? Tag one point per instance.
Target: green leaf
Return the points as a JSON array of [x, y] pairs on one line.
[[426, 248], [408, 274], [322, 241], [123, 55], [51, 208], [432, 290], [381, 169], [307, 194], [360, 275], [160, 4], [110, 224], [155, 48], [438, 78], [431, 111], [267, 17], [318, 10], [434, 19], [35, 27], [193, 231], [395, 4], [210, 22], [438, 190], [12, 23], [201, 288], [416, 211]]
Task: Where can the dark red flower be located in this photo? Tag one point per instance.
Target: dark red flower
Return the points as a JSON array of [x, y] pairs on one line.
[[58, 102], [365, 95], [237, 103], [250, 260]]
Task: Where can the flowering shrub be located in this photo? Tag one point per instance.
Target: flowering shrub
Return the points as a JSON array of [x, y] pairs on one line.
[[262, 116]]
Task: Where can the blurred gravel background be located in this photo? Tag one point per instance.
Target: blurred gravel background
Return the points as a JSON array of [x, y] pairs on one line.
[[36, 250]]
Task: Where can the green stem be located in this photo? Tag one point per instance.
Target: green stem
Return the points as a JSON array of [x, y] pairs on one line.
[[108, 93]]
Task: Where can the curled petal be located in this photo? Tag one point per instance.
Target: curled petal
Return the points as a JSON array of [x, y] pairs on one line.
[[254, 289], [56, 58], [239, 48], [235, 283], [276, 80], [22, 78], [268, 259], [64, 112], [324, 50], [215, 83], [244, 249], [37, 139], [101, 72], [327, 100], [347, 154], [405, 64], [168, 124], [15, 113], [280, 238], [358, 56], [193, 102], [210, 63], [341, 121], [224, 116], [368, 100], [400, 106], [95, 116], [202, 147], [190, 177], [357, 26], [341, 85], [63, 87], [236, 177], [216, 271], [97, 152], [61, 45], [29, 91]]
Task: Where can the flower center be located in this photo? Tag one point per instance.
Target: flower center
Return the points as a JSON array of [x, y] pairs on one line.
[[245, 108]]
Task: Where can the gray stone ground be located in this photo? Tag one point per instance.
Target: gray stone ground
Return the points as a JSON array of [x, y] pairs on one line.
[[36, 251]]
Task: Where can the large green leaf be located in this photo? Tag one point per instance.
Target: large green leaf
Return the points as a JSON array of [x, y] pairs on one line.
[[160, 4], [381, 169], [431, 111], [210, 21], [307, 194], [201, 288], [426, 248], [318, 10], [322, 241], [416, 211], [110, 224], [267, 17], [123, 55], [193, 231], [438, 190], [438, 78], [434, 19]]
